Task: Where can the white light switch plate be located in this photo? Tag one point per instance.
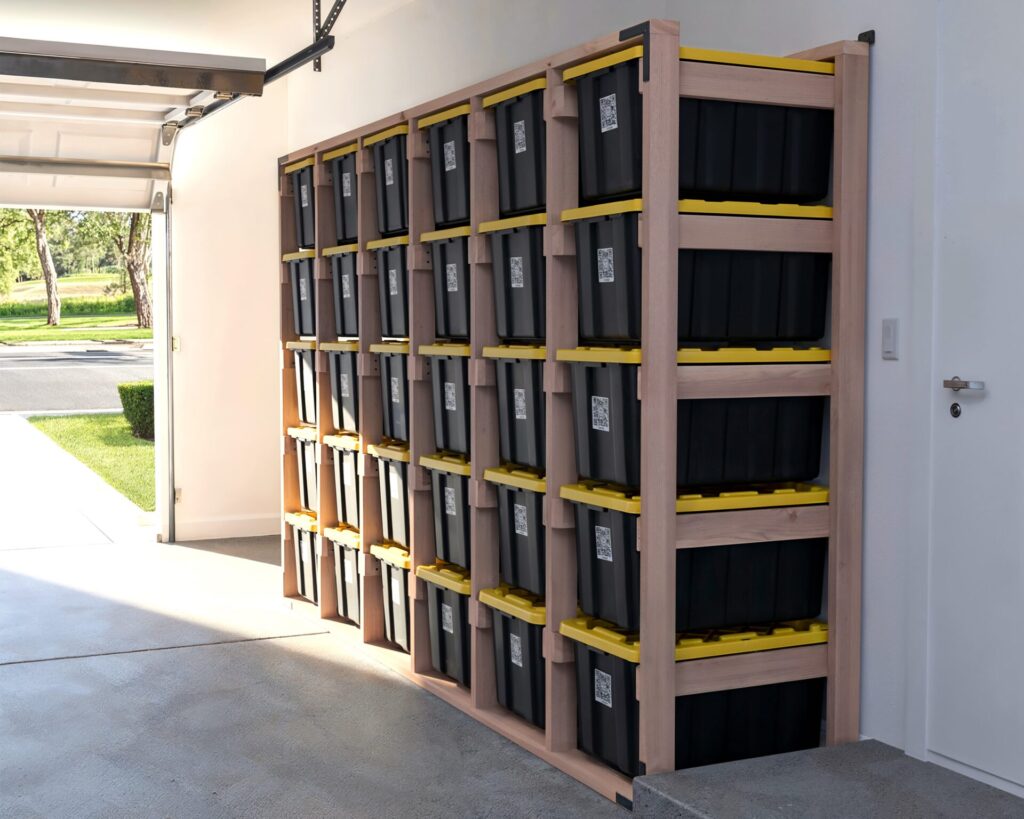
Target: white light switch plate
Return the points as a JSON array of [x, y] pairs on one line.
[[890, 339]]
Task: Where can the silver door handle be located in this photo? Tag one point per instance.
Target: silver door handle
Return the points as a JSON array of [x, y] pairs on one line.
[[956, 383]]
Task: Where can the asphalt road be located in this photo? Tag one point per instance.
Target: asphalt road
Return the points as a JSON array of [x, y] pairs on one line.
[[37, 378]]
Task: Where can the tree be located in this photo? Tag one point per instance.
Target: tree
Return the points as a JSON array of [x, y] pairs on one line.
[[131, 234], [17, 256], [38, 218]]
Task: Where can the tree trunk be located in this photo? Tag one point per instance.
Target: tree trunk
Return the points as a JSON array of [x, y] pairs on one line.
[[135, 262], [38, 218]]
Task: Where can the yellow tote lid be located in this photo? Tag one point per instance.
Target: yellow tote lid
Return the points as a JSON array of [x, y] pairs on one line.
[[600, 355], [339, 249], [605, 209], [300, 520], [303, 433], [590, 66], [518, 603], [606, 637], [380, 136], [447, 576], [752, 355], [391, 347], [618, 499], [300, 345], [298, 166], [345, 440], [753, 209], [388, 241], [344, 150], [452, 464], [707, 55], [517, 477], [515, 91], [517, 351], [346, 536], [393, 554], [350, 346], [392, 450], [441, 116], [298, 254], [513, 222], [446, 348], [447, 233]]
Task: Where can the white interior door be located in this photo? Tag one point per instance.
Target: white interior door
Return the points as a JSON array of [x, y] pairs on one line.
[[976, 608]]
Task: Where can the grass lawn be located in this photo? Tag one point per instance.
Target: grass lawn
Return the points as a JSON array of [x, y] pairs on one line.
[[105, 444], [77, 284], [71, 328]]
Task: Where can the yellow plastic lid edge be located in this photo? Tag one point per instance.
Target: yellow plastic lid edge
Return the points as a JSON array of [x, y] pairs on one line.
[[594, 633], [513, 222], [447, 233], [438, 575], [606, 61], [533, 352], [298, 166], [443, 116], [298, 254], [344, 150], [301, 520], [446, 463], [388, 241], [604, 209], [392, 347], [498, 599], [387, 133], [505, 475], [339, 249], [515, 91], [708, 55]]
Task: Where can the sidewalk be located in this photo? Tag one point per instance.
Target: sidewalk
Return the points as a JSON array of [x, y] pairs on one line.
[[50, 498]]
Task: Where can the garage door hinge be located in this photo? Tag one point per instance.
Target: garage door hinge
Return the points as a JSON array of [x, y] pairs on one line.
[[175, 344], [177, 494]]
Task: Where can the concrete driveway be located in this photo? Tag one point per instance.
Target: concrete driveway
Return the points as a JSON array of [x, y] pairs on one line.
[[72, 377]]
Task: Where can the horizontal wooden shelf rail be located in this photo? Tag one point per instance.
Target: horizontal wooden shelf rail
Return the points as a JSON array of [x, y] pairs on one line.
[[695, 531], [749, 670], [750, 380], [699, 231], [767, 86]]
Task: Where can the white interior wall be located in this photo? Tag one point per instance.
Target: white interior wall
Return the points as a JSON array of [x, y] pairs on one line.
[[436, 46]]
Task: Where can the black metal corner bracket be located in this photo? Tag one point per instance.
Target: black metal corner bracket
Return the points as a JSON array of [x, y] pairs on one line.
[[642, 30], [322, 30], [867, 37]]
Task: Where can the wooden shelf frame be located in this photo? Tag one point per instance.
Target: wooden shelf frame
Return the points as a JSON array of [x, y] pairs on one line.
[[661, 532]]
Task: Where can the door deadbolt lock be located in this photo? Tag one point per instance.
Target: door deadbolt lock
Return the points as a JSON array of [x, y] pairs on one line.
[[955, 409]]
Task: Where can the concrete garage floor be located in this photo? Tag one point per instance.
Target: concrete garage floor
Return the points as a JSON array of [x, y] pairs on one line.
[[139, 679]]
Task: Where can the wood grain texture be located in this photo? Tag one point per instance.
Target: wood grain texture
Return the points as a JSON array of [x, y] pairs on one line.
[[695, 531], [711, 232], [830, 51], [715, 81], [748, 670], [656, 527], [846, 444], [750, 380]]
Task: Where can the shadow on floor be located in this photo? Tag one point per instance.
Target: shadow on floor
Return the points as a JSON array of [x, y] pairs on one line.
[[263, 549]]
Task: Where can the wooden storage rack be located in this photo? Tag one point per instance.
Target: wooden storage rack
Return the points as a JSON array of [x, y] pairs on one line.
[[842, 85]]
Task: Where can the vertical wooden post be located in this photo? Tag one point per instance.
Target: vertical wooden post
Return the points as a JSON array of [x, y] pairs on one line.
[[289, 405], [846, 421], [562, 331], [659, 238], [483, 521]]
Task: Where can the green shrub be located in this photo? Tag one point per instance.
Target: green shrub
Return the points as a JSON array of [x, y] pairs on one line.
[[137, 400], [81, 306]]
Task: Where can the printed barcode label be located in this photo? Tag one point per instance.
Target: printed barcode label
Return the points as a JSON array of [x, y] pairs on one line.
[[389, 172], [392, 282], [516, 271], [451, 273], [350, 574], [346, 287], [609, 113], [449, 156], [603, 543], [449, 396], [343, 385], [605, 265], [599, 413], [602, 687], [396, 586], [346, 185], [395, 399], [449, 501], [519, 511], [303, 290], [395, 482], [519, 400], [447, 619], [304, 195], [515, 650], [519, 136]]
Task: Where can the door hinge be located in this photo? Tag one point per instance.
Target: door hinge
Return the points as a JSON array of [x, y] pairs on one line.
[[177, 494], [175, 344]]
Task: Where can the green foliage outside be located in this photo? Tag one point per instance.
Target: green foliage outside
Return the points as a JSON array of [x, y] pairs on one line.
[[137, 400], [106, 445], [101, 306], [119, 327]]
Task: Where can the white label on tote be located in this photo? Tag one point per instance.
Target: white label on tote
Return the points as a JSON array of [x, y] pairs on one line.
[[447, 620], [396, 586], [451, 274], [395, 482], [515, 264], [346, 287], [350, 574], [519, 136], [519, 512], [515, 650], [449, 396], [395, 399], [449, 156], [389, 172], [602, 687], [605, 265], [449, 501], [519, 400], [303, 290], [343, 385], [609, 113], [603, 543], [304, 195], [392, 282], [346, 185], [599, 413]]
